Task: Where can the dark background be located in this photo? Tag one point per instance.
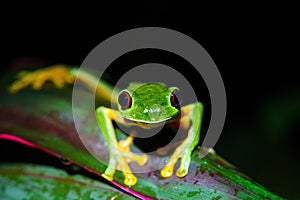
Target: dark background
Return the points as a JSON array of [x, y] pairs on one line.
[[255, 46]]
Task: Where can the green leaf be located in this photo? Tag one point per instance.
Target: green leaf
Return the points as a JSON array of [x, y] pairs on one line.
[[43, 119], [25, 181]]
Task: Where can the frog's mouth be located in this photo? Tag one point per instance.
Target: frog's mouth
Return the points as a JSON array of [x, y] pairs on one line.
[[149, 125], [153, 124]]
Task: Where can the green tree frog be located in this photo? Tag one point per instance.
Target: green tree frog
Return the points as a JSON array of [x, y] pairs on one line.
[[146, 105]]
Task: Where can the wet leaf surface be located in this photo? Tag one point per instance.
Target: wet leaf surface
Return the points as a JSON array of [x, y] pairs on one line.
[[26, 181]]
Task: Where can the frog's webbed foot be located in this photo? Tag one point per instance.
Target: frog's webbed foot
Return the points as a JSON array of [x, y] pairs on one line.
[[120, 159], [182, 152], [58, 74]]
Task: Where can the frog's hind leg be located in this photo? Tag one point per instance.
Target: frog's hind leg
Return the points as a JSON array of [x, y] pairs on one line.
[[58, 74]]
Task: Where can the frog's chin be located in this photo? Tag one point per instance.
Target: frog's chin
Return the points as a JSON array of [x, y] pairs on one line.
[[153, 124], [149, 124]]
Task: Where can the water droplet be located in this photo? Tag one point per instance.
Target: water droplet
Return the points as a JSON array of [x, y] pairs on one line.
[[65, 161]]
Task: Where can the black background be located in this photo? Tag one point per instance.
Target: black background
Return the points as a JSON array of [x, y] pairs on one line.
[[255, 46]]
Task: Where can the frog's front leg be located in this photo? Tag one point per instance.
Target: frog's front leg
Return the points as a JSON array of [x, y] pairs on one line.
[[191, 118], [119, 152]]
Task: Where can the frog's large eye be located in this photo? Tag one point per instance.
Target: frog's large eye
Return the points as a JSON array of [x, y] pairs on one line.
[[175, 98], [125, 100]]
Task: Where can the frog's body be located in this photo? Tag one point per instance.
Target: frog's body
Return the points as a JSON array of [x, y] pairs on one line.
[[146, 105]]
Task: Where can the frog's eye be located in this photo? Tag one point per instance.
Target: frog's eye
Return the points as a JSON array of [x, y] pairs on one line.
[[175, 98], [125, 100]]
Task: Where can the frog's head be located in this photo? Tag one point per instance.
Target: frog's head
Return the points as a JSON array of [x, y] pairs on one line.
[[150, 103]]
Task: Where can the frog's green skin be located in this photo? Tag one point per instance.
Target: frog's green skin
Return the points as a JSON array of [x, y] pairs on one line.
[[150, 106]]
